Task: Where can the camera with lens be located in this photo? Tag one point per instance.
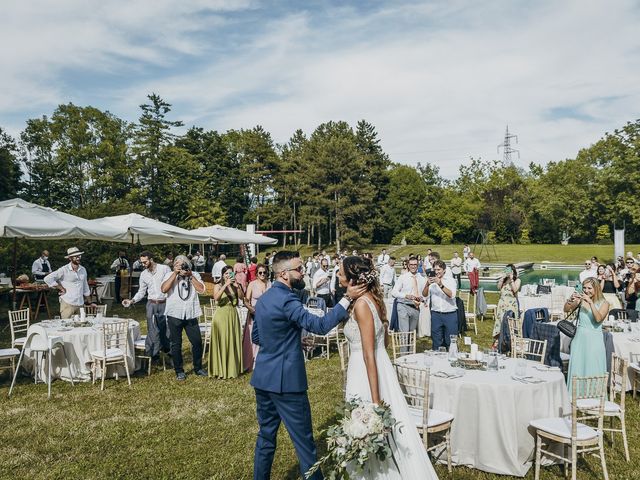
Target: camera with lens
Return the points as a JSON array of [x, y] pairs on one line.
[[185, 268]]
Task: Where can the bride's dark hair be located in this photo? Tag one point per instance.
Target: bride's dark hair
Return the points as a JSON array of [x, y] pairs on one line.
[[361, 271]]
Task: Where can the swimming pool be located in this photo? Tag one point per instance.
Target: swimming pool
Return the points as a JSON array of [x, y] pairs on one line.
[[535, 276]]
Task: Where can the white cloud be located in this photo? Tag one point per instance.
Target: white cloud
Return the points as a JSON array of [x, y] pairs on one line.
[[440, 80]]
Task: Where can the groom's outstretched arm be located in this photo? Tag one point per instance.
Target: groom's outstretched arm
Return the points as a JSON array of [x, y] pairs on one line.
[[320, 325]]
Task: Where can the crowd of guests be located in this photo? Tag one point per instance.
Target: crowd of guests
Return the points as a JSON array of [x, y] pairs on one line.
[[619, 280]]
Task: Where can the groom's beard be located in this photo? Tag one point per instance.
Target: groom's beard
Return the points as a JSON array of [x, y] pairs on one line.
[[297, 284]]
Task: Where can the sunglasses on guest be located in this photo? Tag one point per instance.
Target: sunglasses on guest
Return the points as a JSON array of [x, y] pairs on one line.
[[262, 272]]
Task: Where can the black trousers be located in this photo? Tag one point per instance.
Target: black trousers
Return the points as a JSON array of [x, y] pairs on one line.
[[118, 284], [190, 325], [328, 298]]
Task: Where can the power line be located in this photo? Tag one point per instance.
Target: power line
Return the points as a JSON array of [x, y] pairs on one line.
[[507, 150]]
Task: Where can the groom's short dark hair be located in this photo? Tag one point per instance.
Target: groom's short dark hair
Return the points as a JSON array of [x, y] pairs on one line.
[[281, 257]]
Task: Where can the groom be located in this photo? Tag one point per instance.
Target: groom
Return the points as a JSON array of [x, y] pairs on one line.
[[279, 377]]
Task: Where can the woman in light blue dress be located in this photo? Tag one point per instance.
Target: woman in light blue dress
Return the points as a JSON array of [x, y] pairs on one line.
[[588, 356]]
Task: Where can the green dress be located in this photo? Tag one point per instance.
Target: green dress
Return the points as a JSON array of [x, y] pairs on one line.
[[588, 354], [508, 301], [225, 354]]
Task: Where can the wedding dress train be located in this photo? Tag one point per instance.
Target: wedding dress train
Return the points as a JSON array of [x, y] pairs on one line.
[[411, 459]]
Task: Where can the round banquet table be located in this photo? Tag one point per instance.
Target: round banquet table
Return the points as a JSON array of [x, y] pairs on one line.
[[490, 431], [79, 342]]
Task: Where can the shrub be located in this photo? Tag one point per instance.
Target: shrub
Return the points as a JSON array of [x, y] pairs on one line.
[[603, 235]]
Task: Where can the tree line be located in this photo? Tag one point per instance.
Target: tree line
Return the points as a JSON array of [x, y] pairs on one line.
[[336, 184]]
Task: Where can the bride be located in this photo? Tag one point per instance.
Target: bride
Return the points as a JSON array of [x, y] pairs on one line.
[[371, 376]]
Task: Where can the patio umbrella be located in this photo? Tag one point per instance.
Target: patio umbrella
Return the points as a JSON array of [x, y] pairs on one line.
[[147, 231], [22, 219], [220, 234]]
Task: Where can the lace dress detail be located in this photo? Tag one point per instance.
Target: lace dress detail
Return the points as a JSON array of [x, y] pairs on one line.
[[352, 331]]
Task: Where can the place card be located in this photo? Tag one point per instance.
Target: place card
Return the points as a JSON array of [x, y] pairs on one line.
[[467, 340]]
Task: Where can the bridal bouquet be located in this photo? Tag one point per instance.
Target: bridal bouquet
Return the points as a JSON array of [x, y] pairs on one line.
[[361, 433]]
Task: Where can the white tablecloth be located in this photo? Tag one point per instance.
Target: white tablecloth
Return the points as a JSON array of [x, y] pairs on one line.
[[78, 344], [492, 412]]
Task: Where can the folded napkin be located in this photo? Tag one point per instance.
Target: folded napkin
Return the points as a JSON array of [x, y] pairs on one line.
[[527, 379], [546, 368]]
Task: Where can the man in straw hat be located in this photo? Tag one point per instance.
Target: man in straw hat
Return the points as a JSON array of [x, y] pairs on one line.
[[71, 282]]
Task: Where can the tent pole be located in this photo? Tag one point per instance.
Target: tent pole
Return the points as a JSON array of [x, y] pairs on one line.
[[15, 268], [131, 267]]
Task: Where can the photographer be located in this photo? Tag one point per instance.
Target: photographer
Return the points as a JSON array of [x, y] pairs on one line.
[[441, 290], [182, 287], [508, 286], [633, 287]]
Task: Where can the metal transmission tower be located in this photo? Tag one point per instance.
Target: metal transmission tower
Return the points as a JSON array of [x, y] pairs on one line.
[[507, 150]]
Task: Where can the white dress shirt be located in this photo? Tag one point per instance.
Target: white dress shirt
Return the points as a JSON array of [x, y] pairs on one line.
[[38, 265], [387, 274], [216, 271], [324, 288], [584, 274], [383, 259], [456, 265], [151, 283], [74, 282], [198, 260], [405, 285], [471, 263], [440, 302], [176, 306]]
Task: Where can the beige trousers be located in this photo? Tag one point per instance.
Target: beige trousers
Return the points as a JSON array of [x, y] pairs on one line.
[[68, 311]]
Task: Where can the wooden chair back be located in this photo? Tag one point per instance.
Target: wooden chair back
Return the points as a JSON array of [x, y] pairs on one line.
[[95, 310], [618, 380], [588, 388], [116, 335], [403, 343], [530, 349], [19, 322]]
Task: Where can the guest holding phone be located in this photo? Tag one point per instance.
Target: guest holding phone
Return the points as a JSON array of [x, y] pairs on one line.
[[588, 356], [508, 286], [609, 284], [254, 291], [225, 354]]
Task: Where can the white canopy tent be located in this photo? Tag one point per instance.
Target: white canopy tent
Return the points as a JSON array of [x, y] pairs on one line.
[[21, 219], [147, 231], [219, 234]]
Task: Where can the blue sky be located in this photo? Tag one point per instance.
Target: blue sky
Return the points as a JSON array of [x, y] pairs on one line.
[[439, 79]]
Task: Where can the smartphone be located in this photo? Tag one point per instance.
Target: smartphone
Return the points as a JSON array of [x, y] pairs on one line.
[[579, 288], [431, 273]]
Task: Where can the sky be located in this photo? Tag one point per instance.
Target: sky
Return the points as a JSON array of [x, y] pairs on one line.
[[440, 80]]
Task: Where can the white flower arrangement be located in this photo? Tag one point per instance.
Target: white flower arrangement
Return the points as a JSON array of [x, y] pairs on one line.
[[360, 434]]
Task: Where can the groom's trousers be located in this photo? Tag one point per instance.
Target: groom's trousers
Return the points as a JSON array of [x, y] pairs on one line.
[[293, 409]]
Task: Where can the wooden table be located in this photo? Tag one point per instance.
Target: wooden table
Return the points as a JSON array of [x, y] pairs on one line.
[[41, 300]]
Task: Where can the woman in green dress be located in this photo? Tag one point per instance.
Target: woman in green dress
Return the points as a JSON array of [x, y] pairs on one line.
[[508, 286], [588, 355], [225, 354]]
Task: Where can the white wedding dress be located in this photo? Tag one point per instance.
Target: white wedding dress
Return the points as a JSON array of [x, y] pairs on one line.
[[408, 450]]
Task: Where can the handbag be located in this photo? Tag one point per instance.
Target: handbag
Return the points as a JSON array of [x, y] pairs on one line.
[[569, 327]]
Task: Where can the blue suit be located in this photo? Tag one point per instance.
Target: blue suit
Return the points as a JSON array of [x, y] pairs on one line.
[[279, 376]]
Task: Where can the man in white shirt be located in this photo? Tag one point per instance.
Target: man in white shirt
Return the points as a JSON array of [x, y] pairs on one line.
[[441, 291], [72, 285], [216, 271], [383, 258], [199, 261], [120, 265], [41, 267], [465, 252], [456, 268], [472, 263], [337, 292], [182, 287], [388, 276], [322, 282], [407, 291], [427, 262], [588, 271], [151, 285]]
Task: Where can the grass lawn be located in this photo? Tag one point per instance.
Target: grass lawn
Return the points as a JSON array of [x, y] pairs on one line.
[[504, 253], [201, 428]]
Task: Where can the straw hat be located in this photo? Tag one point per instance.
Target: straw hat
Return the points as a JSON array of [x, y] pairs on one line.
[[73, 252]]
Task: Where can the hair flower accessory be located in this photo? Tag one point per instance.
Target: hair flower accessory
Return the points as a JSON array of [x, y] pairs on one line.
[[368, 277]]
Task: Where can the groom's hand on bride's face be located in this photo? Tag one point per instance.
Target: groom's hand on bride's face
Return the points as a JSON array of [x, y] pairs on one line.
[[356, 291]]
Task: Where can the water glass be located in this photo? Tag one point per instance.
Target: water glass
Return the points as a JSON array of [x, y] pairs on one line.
[[521, 367], [428, 359], [442, 351], [492, 362]]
